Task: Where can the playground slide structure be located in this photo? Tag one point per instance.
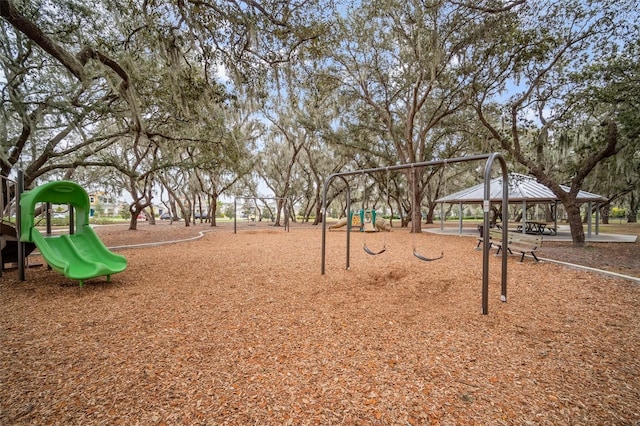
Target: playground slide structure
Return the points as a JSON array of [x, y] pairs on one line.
[[79, 255], [9, 244], [364, 221]]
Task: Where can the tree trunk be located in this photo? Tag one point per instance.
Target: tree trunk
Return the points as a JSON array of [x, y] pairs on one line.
[[319, 217], [431, 213], [605, 212], [279, 212], [272, 217], [174, 210], [405, 215], [575, 224], [291, 213], [416, 201], [151, 217], [135, 210], [133, 223], [213, 209], [186, 209], [634, 205]]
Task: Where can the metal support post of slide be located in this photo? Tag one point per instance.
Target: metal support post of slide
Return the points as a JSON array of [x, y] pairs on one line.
[[72, 224], [48, 218], [19, 190]]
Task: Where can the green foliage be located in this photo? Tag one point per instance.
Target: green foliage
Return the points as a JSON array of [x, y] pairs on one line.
[[228, 211], [125, 214], [294, 91], [618, 212]]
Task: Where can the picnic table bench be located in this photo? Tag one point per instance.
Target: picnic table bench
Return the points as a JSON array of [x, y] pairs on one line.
[[516, 242]]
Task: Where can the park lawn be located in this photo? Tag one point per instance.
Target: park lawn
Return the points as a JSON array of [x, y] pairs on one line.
[[621, 228]]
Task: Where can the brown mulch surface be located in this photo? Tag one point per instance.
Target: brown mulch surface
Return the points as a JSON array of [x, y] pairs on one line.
[[621, 258], [243, 329]]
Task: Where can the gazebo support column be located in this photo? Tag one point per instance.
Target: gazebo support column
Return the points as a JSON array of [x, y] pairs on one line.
[[589, 218]]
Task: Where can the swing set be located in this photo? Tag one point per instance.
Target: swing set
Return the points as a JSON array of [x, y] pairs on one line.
[[489, 159]]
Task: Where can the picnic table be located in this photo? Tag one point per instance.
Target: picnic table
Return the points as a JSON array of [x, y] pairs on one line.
[[533, 227]]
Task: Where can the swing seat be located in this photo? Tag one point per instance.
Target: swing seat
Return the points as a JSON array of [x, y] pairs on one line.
[[427, 259], [374, 253]]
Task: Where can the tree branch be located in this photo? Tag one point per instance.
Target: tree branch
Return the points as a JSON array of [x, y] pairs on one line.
[[31, 30]]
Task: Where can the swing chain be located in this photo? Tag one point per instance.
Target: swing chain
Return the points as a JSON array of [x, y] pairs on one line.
[[367, 219], [415, 251]]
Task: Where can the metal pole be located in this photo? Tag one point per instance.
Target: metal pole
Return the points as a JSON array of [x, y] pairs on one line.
[[327, 182], [48, 217], [486, 207], [72, 215], [348, 224], [19, 190], [589, 219], [505, 208], [323, 210], [4, 189], [234, 215]]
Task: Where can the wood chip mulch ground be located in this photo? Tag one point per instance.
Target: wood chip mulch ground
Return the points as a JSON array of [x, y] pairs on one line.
[[243, 329]]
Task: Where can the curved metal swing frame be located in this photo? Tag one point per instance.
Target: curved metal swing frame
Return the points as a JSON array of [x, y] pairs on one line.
[[415, 250], [486, 207]]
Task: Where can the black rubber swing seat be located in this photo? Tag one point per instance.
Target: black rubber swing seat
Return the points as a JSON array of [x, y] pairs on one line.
[[374, 253], [427, 259]]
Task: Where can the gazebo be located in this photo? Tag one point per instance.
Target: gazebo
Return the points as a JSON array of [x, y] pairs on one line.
[[526, 190]]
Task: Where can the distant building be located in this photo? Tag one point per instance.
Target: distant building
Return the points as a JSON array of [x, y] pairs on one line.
[[102, 204]]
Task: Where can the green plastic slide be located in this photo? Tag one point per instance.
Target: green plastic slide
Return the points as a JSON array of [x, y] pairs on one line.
[[79, 256]]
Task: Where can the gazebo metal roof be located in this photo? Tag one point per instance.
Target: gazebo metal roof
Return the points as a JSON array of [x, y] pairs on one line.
[[521, 188]]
